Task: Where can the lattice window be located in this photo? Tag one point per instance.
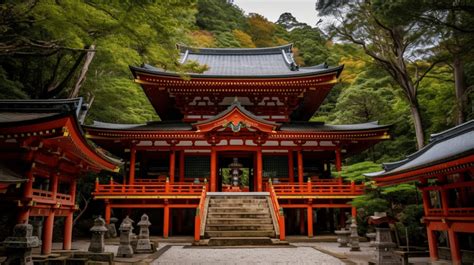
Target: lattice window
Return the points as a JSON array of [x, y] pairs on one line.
[[275, 166], [197, 166]]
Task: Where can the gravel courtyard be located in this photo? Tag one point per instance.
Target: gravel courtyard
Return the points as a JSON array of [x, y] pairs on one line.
[[285, 255]]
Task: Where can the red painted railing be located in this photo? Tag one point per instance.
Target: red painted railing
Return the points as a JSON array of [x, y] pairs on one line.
[[150, 188], [277, 210], [199, 218], [318, 188], [44, 196], [451, 212]]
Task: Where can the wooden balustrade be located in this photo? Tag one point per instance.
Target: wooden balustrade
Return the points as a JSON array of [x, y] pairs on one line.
[[44, 196], [140, 189], [451, 212], [199, 217], [319, 188], [150, 186], [278, 211]]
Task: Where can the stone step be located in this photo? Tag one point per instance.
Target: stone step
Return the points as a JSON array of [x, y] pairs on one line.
[[238, 227], [239, 241], [238, 215], [237, 200], [239, 221], [241, 233], [256, 197], [237, 209], [243, 205]]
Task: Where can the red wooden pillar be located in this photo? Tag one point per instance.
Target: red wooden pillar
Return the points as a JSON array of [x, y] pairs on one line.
[[67, 240], [300, 167], [54, 185], [426, 201], [213, 177], [68, 221], [181, 166], [291, 172], [133, 154], [444, 202], [108, 211], [339, 163], [432, 243], [354, 212], [172, 165], [309, 212], [166, 220], [48, 233], [24, 214], [259, 170], [338, 159], [454, 247]]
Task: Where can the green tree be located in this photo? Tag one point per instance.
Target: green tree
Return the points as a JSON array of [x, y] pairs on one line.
[[388, 38]]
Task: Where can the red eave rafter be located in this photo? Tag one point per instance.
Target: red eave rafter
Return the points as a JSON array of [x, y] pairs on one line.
[[379, 134], [417, 174], [259, 83], [85, 150]]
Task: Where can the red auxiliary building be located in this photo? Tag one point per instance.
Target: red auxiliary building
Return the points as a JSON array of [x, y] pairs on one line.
[[444, 172], [47, 154], [252, 107]]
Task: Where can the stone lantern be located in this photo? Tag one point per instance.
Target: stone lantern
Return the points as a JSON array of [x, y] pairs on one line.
[[354, 237], [98, 231], [236, 172], [20, 244], [144, 244], [384, 246], [125, 248]]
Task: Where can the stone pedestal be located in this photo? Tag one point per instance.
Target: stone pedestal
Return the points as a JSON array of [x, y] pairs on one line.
[[354, 237], [112, 230], [98, 231], [125, 248], [371, 237], [144, 245], [342, 237], [19, 245], [384, 248]]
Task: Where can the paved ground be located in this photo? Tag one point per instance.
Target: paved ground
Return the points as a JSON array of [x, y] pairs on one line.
[[272, 255], [178, 251]]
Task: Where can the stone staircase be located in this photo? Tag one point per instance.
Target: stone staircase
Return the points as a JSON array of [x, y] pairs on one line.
[[240, 219]]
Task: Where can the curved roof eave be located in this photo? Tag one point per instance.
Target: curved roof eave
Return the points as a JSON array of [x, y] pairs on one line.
[[393, 168], [314, 72]]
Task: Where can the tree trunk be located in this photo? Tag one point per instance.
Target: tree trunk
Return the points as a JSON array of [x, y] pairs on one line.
[[417, 122], [460, 88], [82, 77]]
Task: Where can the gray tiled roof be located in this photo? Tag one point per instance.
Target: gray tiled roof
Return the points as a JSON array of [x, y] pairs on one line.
[[445, 146], [12, 111], [245, 62], [319, 126], [151, 126], [9, 176]]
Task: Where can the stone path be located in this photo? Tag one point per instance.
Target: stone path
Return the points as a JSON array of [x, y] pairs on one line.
[[272, 255]]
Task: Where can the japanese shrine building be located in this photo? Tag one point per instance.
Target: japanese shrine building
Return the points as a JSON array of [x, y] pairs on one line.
[[444, 173], [253, 105], [44, 153]]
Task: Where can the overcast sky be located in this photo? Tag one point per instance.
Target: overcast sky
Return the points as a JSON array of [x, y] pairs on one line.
[[303, 10]]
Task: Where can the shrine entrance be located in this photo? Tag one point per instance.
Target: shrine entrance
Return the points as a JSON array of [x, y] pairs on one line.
[[236, 171]]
